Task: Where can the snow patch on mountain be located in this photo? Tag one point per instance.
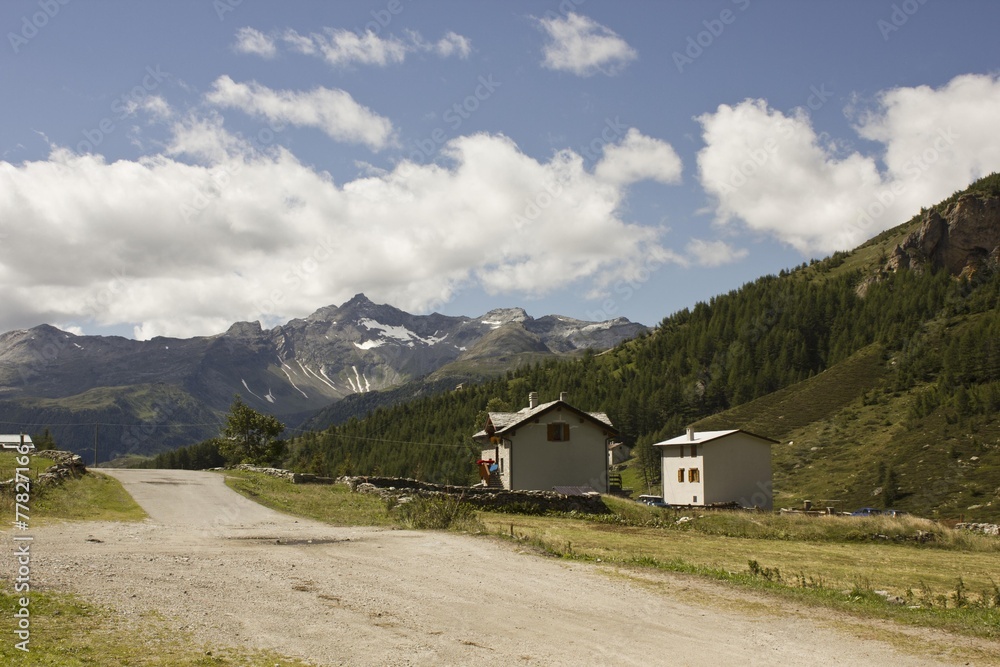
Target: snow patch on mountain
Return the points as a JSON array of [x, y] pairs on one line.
[[402, 334]]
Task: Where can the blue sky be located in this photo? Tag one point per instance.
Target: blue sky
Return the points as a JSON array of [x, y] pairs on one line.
[[167, 168]]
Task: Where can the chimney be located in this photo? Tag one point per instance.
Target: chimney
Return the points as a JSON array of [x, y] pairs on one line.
[[690, 433], [563, 396], [533, 400]]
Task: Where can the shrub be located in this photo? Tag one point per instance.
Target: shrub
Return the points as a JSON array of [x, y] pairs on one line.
[[439, 512]]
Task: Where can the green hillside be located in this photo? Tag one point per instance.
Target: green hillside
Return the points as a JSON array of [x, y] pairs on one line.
[[870, 375]]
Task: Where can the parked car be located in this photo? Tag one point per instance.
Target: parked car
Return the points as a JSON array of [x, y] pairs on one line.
[[894, 513], [867, 511], [652, 501]]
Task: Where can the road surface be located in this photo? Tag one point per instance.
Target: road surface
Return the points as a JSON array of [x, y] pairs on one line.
[[237, 574]]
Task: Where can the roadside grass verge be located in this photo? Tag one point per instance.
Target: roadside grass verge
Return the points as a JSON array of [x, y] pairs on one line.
[[947, 581], [946, 588], [332, 503], [68, 632], [92, 497]]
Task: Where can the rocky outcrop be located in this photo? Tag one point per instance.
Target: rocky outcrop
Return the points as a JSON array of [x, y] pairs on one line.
[[963, 239]]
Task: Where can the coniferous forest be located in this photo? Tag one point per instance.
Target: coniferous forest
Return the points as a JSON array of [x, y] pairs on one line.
[[937, 334]]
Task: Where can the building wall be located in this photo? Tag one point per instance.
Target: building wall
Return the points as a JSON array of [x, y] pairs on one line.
[[682, 493], [735, 468], [536, 463], [739, 469]]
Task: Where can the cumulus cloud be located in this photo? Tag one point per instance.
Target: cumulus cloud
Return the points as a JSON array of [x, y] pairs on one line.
[[215, 229], [251, 41], [331, 110], [584, 47], [342, 48], [639, 158], [714, 253], [772, 171]]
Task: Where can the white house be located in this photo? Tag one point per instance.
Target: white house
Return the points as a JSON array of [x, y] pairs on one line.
[[618, 452], [546, 445], [15, 440], [712, 467]]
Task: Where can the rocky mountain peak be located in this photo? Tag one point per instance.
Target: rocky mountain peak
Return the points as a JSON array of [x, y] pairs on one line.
[[245, 330], [500, 316]]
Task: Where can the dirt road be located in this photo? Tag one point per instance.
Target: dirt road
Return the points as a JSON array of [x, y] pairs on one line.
[[236, 573]]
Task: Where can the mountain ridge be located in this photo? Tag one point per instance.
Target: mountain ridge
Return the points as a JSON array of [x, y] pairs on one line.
[[290, 370]]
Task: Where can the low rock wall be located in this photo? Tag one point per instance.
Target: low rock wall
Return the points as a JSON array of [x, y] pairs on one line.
[[293, 477], [67, 464], [480, 496], [984, 528]]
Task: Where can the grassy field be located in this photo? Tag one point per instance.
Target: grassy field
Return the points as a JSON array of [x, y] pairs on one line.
[[944, 578], [89, 498], [67, 631]]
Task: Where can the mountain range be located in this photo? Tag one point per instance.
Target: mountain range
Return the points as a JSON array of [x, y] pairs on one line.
[[877, 369], [152, 395]]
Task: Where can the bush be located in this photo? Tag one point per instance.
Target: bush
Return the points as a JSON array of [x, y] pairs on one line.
[[439, 512]]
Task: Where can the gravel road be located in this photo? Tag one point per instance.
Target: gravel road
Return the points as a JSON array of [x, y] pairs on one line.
[[237, 574]]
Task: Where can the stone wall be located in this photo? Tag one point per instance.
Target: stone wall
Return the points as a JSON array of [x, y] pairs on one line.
[[984, 528], [293, 477], [480, 496]]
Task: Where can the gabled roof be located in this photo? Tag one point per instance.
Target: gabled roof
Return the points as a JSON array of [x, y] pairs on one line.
[[14, 439], [506, 421], [708, 436]]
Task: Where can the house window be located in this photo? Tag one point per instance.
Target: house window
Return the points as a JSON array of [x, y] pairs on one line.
[[558, 432], [680, 475], [694, 475]]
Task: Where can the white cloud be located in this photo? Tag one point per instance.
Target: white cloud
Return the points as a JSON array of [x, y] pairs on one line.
[[213, 230], [774, 173], [639, 158], [453, 44], [714, 253], [251, 41], [580, 45], [331, 110], [341, 48]]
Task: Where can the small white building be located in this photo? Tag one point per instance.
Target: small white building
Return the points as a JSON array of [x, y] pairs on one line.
[[10, 441], [618, 452], [712, 467], [546, 445]]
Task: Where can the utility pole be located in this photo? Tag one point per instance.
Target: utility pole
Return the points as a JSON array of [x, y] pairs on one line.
[[97, 429]]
